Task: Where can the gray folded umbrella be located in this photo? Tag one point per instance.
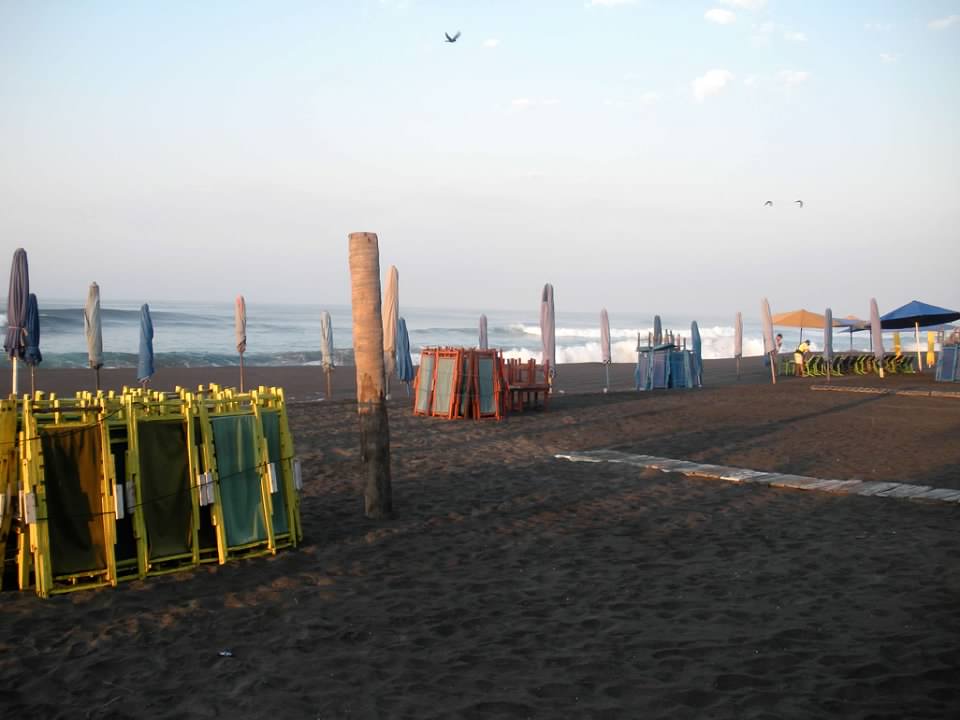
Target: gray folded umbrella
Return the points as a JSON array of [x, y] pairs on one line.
[[483, 333], [548, 329], [769, 345], [17, 297]]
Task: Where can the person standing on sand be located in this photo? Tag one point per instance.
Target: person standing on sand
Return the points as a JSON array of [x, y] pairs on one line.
[[779, 342], [800, 358]]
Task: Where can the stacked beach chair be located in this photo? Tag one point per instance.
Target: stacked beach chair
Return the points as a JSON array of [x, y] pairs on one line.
[[460, 383], [105, 488]]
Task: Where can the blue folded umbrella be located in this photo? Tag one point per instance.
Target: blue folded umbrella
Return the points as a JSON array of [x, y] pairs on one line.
[[145, 355]]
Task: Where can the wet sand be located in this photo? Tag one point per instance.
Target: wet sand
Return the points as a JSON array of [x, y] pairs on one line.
[[511, 584]]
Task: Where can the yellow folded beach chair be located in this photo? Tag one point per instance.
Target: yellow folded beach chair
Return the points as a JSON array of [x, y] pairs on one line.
[[9, 481], [67, 499]]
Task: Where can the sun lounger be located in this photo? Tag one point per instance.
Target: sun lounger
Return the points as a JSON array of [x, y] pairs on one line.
[[69, 501]]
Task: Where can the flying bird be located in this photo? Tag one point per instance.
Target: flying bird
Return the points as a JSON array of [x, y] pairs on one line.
[[768, 203], [452, 39], [799, 202]]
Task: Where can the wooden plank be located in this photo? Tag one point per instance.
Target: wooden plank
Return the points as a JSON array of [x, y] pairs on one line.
[[872, 488]]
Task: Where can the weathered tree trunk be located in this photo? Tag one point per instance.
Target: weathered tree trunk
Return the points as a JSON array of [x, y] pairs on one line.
[[368, 356]]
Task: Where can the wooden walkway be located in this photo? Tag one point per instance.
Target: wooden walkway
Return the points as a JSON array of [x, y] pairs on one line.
[[742, 475], [884, 391]]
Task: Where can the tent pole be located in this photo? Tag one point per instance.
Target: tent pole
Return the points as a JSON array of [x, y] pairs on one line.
[[916, 334], [33, 382], [97, 371], [329, 373], [773, 369]]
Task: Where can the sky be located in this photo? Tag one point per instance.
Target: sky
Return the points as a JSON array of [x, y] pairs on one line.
[[622, 151]]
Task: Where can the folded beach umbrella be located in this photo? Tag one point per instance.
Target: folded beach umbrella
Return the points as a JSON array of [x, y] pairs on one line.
[[404, 361], [326, 347], [769, 346], [145, 353], [17, 296], [696, 346], [240, 330], [93, 330], [916, 314], [876, 335], [828, 340], [548, 330], [738, 341], [657, 330], [483, 333], [605, 345], [391, 311], [31, 346]]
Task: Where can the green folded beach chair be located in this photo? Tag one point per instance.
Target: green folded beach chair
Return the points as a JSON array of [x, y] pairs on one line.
[[163, 484], [234, 453]]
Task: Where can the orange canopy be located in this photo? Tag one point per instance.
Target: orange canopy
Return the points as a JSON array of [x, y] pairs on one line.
[[800, 319]]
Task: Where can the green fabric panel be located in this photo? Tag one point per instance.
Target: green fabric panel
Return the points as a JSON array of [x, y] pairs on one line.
[[233, 439], [165, 487], [443, 392], [426, 379], [125, 547], [486, 369], [71, 472], [271, 430]]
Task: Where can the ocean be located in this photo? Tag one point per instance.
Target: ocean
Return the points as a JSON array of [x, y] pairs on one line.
[[201, 334]]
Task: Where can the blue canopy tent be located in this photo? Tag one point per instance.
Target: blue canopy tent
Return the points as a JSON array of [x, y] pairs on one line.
[[917, 314]]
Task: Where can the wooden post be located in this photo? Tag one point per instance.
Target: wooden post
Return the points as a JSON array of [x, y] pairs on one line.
[[368, 356], [329, 373]]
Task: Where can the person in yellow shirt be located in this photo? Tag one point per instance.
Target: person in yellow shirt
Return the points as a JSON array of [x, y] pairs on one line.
[[800, 358]]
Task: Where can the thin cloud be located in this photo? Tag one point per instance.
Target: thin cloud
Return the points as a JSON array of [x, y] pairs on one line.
[[944, 23], [878, 26], [745, 4], [491, 43], [720, 16], [794, 36], [888, 58], [711, 83], [609, 3], [525, 103], [792, 78]]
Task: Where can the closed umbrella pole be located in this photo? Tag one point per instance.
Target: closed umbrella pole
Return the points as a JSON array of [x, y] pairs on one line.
[[391, 312], [876, 335], [326, 349], [404, 361], [828, 340], [768, 343], [240, 330], [93, 329], [548, 331], [696, 346], [31, 348], [605, 357], [145, 368], [738, 341], [17, 298]]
